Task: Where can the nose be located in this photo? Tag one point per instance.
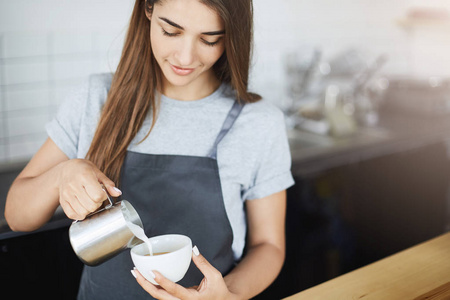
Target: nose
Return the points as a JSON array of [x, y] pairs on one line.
[[185, 54]]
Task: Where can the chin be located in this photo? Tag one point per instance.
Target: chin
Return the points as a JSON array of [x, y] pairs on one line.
[[179, 81]]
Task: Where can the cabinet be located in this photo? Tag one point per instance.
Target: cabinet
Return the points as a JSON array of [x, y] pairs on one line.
[[40, 264], [351, 216]]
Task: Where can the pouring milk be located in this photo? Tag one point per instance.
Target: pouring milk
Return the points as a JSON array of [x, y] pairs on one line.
[[140, 234]]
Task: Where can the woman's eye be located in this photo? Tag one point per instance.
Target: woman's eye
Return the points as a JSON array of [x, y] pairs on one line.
[[210, 43], [168, 33], [172, 34]]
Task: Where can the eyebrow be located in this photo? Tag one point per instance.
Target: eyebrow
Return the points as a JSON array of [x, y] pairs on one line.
[[218, 32]]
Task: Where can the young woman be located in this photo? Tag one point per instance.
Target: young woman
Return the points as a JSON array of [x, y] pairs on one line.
[[194, 152]]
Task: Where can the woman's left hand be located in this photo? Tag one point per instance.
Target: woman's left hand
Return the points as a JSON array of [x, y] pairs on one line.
[[211, 287]]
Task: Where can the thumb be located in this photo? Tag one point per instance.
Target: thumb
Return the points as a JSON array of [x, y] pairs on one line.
[[108, 184], [113, 191], [203, 265]]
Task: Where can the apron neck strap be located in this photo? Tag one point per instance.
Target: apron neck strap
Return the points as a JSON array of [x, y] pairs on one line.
[[233, 114]]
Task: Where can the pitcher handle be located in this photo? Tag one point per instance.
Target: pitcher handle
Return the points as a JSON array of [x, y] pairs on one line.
[[107, 196]]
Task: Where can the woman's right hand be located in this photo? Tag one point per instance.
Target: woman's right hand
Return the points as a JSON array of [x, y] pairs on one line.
[[80, 188]]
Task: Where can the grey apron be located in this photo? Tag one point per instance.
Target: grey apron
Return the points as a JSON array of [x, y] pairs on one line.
[[172, 194]]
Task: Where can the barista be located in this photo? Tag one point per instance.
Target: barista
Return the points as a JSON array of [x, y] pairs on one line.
[[175, 130]]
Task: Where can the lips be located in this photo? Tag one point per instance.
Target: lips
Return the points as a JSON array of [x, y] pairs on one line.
[[181, 71]]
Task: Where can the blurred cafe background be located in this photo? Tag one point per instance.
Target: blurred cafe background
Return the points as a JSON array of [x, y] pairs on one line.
[[365, 88]]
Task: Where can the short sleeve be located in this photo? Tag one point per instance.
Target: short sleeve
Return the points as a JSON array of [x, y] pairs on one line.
[[273, 173], [64, 129]]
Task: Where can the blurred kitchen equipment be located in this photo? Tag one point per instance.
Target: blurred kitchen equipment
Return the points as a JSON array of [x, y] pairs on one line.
[[104, 233], [367, 74], [304, 71], [347, 63], [341, 120], [301, 68], [301, 72], [312, 84], [366, 97], [420, 97], [295, 64]]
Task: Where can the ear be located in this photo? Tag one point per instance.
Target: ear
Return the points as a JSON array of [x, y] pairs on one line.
[[148, 10]]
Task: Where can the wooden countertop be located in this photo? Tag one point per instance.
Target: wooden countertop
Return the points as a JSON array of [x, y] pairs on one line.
[[420, 272]]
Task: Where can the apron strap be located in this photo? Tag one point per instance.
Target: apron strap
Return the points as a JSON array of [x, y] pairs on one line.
[[233, 114]]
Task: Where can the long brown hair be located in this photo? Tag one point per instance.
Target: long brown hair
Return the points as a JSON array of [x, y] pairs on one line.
[[138, 78]]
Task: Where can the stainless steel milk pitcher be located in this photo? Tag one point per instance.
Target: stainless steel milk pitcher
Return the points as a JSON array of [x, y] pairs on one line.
[[104, 233]]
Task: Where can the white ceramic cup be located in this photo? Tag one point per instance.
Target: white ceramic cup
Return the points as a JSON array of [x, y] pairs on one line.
[[172, 265]]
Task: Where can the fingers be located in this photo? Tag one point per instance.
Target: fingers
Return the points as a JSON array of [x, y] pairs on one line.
[[78, 200], [158, 292], [204, 266], [91, 196], [171, 287], [71, 204], [113, 191], [108, 183], [68, 210], [81, 190]]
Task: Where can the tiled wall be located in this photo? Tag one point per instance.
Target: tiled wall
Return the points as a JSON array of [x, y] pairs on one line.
[[48, 47], [37, 70]]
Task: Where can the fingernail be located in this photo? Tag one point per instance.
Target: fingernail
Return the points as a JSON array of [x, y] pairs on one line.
[[195, 250], [133, 273], [117, 190], [151, 274]]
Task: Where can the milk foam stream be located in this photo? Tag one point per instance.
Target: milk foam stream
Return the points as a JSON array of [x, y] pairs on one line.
[[138, 231]]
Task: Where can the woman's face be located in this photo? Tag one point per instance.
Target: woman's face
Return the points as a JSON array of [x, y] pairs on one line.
[[187, 39]]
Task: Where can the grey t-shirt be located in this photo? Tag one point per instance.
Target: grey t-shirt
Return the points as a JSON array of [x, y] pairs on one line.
[[253, 158]]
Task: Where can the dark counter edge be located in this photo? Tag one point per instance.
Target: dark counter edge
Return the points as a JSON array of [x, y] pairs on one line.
[[402, 138], [321, 163]]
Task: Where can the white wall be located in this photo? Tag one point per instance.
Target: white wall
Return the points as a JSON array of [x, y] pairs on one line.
[[64, 15], [49, 46]]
